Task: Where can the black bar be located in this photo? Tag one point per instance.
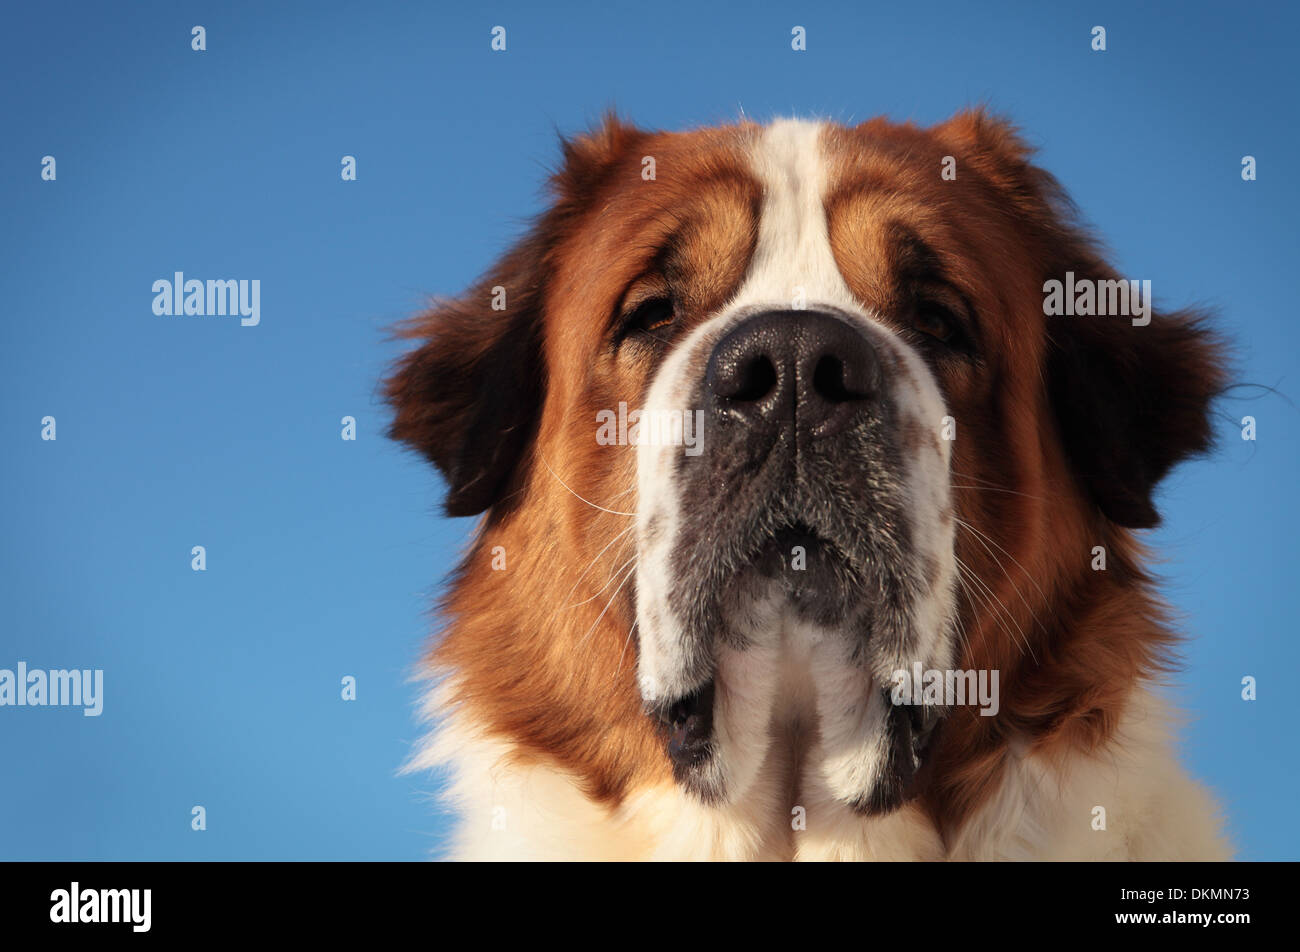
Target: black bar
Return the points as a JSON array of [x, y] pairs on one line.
[[938, 902]]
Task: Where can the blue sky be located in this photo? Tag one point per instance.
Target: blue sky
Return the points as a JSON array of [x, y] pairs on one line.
[[222, 687]]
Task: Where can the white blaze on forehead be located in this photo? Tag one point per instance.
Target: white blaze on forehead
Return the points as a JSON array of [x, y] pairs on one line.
[[793, 256]]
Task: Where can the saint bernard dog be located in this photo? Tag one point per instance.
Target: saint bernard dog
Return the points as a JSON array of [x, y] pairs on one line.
[[807, 522]]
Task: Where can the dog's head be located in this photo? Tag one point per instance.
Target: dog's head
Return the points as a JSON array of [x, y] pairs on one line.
[[785, 404]]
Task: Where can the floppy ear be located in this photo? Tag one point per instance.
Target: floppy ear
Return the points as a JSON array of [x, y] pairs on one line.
[[1131, 400], [470, 396]]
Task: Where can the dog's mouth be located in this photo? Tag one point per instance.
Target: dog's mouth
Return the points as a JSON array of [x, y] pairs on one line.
[[818, 578], [784, 548]]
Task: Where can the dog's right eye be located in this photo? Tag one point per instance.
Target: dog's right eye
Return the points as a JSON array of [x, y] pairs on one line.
[[650, 317]]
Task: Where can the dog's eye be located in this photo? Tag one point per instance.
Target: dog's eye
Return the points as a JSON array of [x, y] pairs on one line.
[[649, 317], [935, 320]]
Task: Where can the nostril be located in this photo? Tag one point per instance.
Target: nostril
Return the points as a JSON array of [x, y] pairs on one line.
[[829, 381], [754, 381]]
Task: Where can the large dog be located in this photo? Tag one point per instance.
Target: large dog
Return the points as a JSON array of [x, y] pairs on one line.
[[810, 457]]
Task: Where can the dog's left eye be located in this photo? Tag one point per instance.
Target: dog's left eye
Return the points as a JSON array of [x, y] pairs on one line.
[[651, 315], [935, 321]]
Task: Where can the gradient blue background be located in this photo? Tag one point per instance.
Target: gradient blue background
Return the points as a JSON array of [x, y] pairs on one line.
[[222, 688]]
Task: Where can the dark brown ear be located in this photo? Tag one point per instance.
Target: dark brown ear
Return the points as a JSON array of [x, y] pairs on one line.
[[1132, 396], [1132, 401], [469, 397]]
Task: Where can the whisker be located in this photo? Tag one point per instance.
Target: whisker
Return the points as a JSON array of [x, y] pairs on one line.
[[625, 644], [630, 572], [613, 512], [960, 627], [615, 574], [985, 535], [993, 489], [988, 485], [982, 603], [592, 565], [962, 567]]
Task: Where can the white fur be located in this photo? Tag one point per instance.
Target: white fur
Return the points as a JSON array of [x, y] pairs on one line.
[[1041, 811]]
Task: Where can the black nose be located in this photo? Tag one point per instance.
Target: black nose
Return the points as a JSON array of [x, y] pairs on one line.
[[808, 371]]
